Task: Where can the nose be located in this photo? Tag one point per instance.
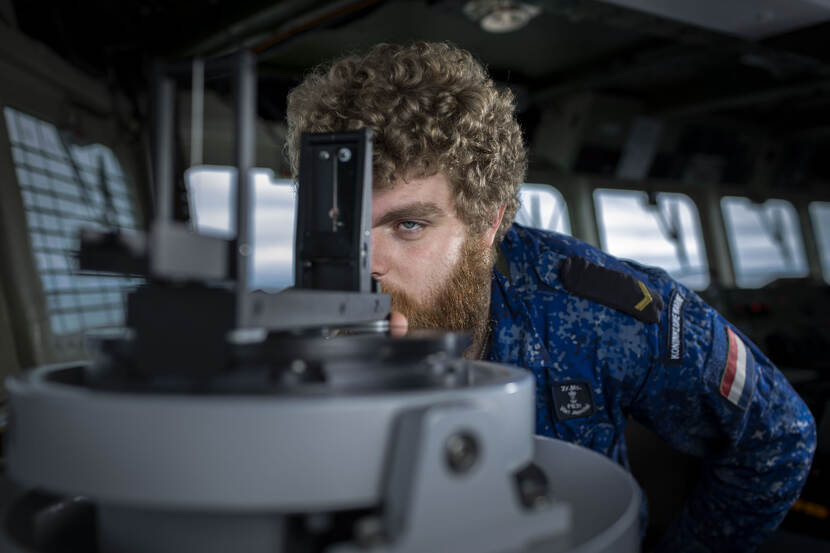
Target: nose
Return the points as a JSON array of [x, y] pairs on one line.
[[379, 259]]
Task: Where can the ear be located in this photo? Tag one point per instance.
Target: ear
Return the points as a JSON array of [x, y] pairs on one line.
[[490, 233]]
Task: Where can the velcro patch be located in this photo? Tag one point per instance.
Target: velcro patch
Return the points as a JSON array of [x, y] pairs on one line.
[[611, 288], [572, 400], [736, 382]]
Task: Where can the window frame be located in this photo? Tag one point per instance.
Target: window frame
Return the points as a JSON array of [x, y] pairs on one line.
[[565, 217], [697, 228], [67, 187], [31, 311], [822, 245], [798, 235]]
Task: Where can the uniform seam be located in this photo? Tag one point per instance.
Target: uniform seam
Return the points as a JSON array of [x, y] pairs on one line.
[[655, 356]]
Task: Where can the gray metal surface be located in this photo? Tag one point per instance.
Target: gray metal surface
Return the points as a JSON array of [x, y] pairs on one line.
[[429, 506], [604, 498], [603, 501], [243, 453], [297, 308], [245, 95], [176, 252], [127, 530], [163, 148]]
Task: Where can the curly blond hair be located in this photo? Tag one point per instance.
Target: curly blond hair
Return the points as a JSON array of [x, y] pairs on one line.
[[432, 108]]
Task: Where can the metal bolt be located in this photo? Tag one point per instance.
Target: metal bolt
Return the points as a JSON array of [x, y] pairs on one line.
[[437, 362], [533, 488], [245, 249], [461, 450], [324, 155], [369, 531], [298, 366], [344, 155]]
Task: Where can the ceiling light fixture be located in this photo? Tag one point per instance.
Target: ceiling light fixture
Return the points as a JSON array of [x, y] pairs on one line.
[[501, 16]]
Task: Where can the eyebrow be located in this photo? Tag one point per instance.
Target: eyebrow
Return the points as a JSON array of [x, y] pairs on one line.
[[415, 210]]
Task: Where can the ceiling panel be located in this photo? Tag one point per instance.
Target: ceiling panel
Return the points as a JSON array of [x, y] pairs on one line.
[[753, 19], [548, 44]]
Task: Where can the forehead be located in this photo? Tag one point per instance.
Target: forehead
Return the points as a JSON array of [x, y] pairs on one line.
[[432, 189]]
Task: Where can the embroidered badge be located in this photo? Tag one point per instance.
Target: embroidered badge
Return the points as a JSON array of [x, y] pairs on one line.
[[573, 400], [674, 341]]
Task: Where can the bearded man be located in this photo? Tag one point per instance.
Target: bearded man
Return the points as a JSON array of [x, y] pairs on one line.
[[604, 338]]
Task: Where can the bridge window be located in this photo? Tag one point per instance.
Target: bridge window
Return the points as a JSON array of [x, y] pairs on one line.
[[64, 187], [764, 239], [664, 232], [820, 214], [543, 207], [213, 201]]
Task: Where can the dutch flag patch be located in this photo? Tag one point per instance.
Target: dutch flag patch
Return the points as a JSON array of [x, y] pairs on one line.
[[737, 379]]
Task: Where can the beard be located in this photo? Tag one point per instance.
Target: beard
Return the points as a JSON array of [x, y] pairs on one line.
[[461, 303]]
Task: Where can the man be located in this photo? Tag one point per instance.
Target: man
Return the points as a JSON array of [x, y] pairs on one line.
[[604, 338]]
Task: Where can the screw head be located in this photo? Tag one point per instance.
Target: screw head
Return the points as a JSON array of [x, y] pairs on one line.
[[461, 452], [298, 366], [534, 490], [324, 155], [369, 532], [344, 155]]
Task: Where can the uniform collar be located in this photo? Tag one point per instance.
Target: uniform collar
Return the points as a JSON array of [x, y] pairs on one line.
[[528, 259]]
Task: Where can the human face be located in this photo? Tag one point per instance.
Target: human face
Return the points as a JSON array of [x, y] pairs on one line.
[[417, 237], [436, 272]]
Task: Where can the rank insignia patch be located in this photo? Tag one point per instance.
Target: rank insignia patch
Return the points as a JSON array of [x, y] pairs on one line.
[[617, 290], [573, 400]]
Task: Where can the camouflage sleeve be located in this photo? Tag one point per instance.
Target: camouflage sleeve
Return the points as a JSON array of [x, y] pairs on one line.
[[712, 393]]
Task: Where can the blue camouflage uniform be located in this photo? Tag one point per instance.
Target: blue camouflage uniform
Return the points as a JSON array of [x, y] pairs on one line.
[[686, 374]]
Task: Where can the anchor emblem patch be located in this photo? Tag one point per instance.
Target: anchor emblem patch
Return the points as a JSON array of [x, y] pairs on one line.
[[573, 400]]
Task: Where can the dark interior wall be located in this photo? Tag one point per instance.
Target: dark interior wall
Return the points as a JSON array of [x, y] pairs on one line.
[[9, 362]]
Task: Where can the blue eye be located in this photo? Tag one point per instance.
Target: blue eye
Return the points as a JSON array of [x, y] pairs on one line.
[[410, 226]]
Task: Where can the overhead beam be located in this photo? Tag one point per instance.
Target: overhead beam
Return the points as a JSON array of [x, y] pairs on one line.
[[819, 87], [278, 23], [236, 32]]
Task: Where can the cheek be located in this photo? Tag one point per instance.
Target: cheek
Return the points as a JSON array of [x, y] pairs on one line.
[[422, 267]]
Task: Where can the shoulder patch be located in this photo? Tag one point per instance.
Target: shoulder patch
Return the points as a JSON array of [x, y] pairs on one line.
[[737, 377], [611, 288]]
